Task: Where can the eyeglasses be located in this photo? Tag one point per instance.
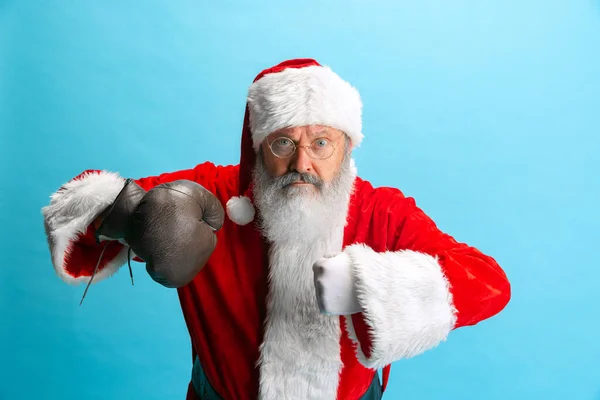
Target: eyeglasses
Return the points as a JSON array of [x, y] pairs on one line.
[[320, 149]]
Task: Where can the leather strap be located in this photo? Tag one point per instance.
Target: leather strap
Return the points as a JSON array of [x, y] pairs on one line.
[[205, 391]]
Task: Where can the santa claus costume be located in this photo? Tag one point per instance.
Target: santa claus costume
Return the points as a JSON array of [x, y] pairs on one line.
[[252, 313]]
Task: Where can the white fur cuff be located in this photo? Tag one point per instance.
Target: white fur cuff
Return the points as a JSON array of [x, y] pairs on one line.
[[71, 210], [312, 95], [406, 303]]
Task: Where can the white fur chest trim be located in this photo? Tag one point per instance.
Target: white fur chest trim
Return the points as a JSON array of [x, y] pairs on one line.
[[300, 356]]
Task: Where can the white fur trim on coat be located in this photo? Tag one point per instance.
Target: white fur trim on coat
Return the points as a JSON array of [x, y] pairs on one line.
[[240, 210], [71, 210], [304, 96], [300, 357], [406, 303]]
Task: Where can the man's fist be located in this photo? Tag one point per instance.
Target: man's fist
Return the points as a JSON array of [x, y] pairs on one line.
[[172, 230], [171, 227], [334, 286]]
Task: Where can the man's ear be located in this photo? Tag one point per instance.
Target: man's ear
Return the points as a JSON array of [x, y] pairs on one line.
[[347, 144], [261, 153]]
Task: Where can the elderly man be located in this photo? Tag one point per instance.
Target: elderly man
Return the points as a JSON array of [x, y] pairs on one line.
[[297, 278]]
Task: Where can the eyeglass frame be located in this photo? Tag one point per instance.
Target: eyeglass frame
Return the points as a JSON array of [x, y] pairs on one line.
[[296, 146]]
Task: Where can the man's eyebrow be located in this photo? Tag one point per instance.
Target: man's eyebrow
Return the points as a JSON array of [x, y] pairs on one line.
[[320, 132], [324, 132]]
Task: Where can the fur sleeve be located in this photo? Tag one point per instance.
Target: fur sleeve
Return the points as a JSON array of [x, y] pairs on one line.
[[70, 236], [420, 288], [72, 209]]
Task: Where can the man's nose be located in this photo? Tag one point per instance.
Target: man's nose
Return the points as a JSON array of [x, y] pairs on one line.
[[301, 162]]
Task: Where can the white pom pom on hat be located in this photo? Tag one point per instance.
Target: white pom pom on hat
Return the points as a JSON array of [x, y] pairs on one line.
[[240, 210]]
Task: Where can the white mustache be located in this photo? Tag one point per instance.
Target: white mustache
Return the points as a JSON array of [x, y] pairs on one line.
[[294, 177]]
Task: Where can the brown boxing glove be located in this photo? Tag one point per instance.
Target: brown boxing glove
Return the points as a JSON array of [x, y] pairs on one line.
[[112, 223], [171, 227]]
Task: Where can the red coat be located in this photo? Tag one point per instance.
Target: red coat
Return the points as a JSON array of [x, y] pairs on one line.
[[418, 283]]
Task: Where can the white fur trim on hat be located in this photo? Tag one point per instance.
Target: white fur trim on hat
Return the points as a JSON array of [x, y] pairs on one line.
[[312, 95], [240, 210]]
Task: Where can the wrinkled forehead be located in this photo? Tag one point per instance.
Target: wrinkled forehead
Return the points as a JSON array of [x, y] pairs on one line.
[[309, 131]]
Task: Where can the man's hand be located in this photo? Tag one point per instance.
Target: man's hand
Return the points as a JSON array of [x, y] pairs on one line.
[[334, 285]]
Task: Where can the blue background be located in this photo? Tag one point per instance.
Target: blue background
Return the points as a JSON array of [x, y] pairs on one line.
[[487, 112]]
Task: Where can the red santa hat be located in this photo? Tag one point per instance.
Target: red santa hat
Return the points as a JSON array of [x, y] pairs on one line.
[[293, 93]]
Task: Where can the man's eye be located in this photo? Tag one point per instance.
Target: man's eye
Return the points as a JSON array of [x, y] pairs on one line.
[[283, 142], [321, 142]]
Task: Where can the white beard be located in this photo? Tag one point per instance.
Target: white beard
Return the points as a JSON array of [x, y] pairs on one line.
[[300, 354]]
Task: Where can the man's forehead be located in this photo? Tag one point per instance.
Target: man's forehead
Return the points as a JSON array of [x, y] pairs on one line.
[[309, 130]]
